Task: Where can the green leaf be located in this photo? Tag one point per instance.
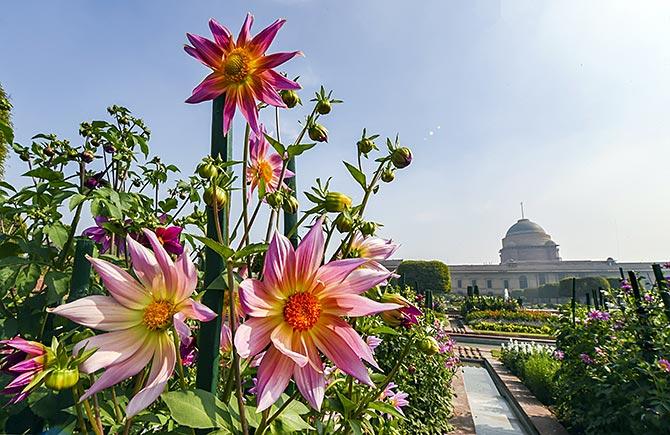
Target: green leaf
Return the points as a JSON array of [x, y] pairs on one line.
[[254, 248], [142, 142], [224, 251], [292, 422], [276, 145], [6, 132], [196, 408], [57, 234], [75, 200], [44, 173], [386, 408], [358, 175], [296, 150], [356, 427]]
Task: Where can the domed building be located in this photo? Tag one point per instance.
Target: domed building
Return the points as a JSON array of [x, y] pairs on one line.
[[528, 259]]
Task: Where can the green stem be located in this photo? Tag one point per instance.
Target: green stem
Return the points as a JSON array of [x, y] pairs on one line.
[[89, 412], [245, 192], [80, 414], [139, 380], [117, 408], [182, 377], [236, 357], [261, 429]]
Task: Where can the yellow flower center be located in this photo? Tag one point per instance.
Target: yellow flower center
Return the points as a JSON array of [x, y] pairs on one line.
[[158, 315], [302, 311], [236, 66], [265, 171]]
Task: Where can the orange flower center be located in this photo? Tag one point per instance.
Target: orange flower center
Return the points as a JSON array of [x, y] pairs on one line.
[[236, 66], [302, 311], [158, 315], [265, 171]]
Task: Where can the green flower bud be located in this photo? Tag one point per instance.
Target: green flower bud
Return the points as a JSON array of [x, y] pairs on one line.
[[61, 379], [274, 199], [323, 107], [25, 156], [318, 133], [290, 98], [221, 197], [49, 151], [401, 157], [365, 146], [368, 228], [207, 170], [344, 223], [337, 202], [87, 156], [429, 346], [290, 205], [388, 175]]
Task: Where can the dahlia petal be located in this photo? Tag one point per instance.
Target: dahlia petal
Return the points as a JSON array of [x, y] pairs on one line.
[[28, 365], [162, 367], [145, 265], [121, 286], [269, 95], [252, 336], [196, 54], [229, 111], [166, 264], [193, 309], [29, 347], [309, 254], [187, 277], [99, 312], [276, 59], [222, 35], [274, 374], [264, 38], [354, 305], [255, 300], [125, 369], [311, 384], [112, 348], [335, 272], [211, 87], [211, 53], [245, 32], [19, 382], [288, 343], [362, 280], [278, 266], [338, 351], [249, 110], [353, 340], [278, 81], [183, 331]]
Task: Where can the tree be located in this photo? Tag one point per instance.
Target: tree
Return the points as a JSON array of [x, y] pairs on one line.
[[425, 275], [583, 286], [6, 134]]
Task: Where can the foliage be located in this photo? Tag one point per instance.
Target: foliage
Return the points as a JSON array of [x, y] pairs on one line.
[[547, 291], [583, 286], [535, 364], [512, 316], [482, 325], [479, 303], [425, 275], [615, 359], [6, 132]]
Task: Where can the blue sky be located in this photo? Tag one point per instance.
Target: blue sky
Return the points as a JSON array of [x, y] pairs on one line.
[[562, 105]]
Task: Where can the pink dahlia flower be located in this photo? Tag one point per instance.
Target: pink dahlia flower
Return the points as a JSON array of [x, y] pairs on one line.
[[297, 310], [138, 318], [169, 238], [25, 360], [241, 70], [399, 401], [264, 167], [372, 248]]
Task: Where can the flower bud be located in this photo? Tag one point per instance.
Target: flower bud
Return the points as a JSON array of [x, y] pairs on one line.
[[91, 183], [207, 171], [429, 346], [290, 98], [392, 318], [323, 107], [274, 199], [318, 133], [221, 197], [72, 154], [290, 204], [25, 156], [388, 175], [337, 202], [365, 145], [368, 228], [405, 316], [109, 148], [344, 223], [87, 156], [401, 157], [61, 379], [49, 151]]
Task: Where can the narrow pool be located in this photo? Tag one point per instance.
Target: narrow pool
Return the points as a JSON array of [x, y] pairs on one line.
[[491, 412]]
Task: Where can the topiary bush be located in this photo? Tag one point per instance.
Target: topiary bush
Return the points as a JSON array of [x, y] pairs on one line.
[[425, 275]]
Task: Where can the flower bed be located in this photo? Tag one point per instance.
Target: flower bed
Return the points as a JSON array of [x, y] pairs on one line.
[[535, 364], [482, 325]]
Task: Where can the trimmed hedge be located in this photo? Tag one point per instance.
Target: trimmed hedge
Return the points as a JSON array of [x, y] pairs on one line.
[[583, 286], [425, 275]]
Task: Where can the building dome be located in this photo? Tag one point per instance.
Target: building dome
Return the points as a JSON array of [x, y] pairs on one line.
[[526, 241]]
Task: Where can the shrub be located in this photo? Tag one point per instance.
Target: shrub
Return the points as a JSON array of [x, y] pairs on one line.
[[583, 286], [511, 327], [535, 365], [518, 316], [478, 303], [425, 275]]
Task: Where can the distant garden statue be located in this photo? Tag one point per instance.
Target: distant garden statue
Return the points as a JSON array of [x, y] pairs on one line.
[[168, 316]]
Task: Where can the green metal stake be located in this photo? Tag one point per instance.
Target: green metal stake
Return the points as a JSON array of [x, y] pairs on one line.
[[81, 270], [209, 336], [662, 288], [574, 302], [291, 219]]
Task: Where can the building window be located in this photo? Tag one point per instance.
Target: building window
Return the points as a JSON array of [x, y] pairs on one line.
[[460, 284], [506, 284], [474, 282], [542, 278], [489, 283], [523, 281]]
